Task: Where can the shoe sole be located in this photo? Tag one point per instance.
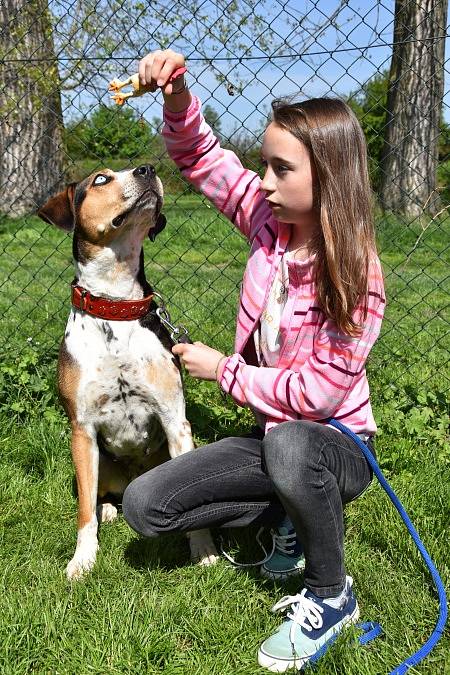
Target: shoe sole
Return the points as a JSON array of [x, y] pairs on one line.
[[281, 665], [281, 576]]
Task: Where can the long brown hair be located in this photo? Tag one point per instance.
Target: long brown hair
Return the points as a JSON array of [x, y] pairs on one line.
[[343, 199]]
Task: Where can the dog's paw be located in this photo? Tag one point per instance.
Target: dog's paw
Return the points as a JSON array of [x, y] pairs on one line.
[[82, 562], [203, 549], [106, 513]]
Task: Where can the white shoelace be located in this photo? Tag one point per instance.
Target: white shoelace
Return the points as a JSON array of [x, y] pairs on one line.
[[284, 542], [280, 542], [305, 613]]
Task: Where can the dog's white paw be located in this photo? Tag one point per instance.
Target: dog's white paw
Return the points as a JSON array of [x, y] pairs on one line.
[[203, 549], [106, 513], [82, 562]]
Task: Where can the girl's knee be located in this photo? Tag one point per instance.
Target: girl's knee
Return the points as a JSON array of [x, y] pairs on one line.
[[288, 438], [139, 511], [286, 450], [132, 504]]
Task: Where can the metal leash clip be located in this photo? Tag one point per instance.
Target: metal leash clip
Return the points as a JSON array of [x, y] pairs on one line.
[[178, 333]]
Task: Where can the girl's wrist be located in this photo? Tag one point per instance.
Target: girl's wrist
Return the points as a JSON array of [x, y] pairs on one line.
[[179, 100], [178, 87], [218, 368]]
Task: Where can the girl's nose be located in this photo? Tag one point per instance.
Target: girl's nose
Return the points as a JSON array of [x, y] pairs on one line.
[[267, 183]]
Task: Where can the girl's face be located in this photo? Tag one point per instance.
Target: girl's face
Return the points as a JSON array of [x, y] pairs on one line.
[[289, 178]]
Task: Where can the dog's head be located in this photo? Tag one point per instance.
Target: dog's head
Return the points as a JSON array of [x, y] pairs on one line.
[[105, 204]]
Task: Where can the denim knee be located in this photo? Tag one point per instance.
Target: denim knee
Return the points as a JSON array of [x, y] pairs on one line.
[[287, 451], [137, 508]]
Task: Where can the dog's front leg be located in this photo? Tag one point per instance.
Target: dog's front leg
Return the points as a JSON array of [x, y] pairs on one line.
[[85, 458]]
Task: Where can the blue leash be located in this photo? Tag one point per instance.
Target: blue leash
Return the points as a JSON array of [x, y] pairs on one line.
[[375, 629], [371, 629]]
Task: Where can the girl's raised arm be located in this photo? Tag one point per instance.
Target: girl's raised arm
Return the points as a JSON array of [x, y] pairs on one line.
[[215, 171]]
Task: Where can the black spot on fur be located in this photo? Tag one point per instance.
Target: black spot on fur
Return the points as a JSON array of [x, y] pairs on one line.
[[116, 398], [108, 331], [67, 333]]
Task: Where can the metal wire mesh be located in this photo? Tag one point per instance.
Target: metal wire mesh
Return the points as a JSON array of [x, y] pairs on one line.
[[58, 124]]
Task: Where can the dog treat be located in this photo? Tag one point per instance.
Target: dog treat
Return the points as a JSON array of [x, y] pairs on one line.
[[138, 89]]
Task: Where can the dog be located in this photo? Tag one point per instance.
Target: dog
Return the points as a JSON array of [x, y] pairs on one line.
[[118, 381]]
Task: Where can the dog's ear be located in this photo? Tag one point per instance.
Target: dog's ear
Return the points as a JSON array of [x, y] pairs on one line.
[[159, 226], [59, 210]]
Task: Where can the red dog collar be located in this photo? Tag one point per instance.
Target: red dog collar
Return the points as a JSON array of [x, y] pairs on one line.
[[113, 310]]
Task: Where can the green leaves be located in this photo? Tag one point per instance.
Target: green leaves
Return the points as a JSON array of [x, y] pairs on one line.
[[413, 426], [108, 132], [27, 382]]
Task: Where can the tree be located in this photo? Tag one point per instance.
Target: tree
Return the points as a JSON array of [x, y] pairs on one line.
[[213, 119], [414, 103], [31, 166], [97, 39], [369, 104], [108, 132]]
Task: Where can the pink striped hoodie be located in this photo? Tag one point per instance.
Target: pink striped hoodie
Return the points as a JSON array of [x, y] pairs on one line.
[[321, 371]]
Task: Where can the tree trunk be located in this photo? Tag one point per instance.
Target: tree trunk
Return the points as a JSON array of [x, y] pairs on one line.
[[31, 154], [416, 88]]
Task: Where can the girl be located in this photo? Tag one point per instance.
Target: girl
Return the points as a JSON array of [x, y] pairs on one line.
[[310, 310]]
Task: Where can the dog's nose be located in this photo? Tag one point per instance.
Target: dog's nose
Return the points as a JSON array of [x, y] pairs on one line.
[[146, 170]]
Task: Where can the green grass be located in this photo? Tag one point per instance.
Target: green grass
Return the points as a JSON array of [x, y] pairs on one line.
[[145, 608]]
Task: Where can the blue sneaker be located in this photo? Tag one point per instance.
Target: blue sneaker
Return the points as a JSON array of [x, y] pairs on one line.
[[287, 557], [311, 626]]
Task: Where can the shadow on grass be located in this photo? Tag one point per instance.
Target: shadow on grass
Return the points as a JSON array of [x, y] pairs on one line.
[[164, 553], [172, 552]]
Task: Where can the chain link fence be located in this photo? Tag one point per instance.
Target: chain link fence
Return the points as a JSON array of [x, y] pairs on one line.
[[58, 124]]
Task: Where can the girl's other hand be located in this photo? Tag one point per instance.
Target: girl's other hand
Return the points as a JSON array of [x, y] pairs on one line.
[[156, 68], [199, 360]]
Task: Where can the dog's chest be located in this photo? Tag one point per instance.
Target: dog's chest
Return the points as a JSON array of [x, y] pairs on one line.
[[123, 366]]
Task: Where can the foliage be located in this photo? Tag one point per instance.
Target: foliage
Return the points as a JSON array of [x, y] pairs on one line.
[[443, 174], [413, 425], [443, 171], [107, 132], [145, 608], [113, 29], [213, 119], [369, 103], [27, 383]]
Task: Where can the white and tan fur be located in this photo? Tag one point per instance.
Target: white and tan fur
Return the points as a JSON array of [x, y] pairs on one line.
[[119, 383]]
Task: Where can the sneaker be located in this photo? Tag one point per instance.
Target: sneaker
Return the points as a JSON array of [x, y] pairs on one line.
[[287, 557], [311, 626]]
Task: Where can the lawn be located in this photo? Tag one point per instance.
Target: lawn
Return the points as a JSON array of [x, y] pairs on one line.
[[145, 608]]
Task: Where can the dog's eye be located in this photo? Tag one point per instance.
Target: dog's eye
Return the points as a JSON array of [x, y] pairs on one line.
[[101, 179]]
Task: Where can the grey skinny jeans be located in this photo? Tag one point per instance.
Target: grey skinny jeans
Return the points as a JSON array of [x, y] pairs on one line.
[[302, 468]]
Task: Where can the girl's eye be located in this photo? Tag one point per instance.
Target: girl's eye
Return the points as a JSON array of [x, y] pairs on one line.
[[101, 179], [282, 169]]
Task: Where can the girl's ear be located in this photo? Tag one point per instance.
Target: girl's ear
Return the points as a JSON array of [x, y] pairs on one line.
[[59, 210]]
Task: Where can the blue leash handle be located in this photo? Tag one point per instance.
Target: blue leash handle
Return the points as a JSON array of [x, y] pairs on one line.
[[421, 653]]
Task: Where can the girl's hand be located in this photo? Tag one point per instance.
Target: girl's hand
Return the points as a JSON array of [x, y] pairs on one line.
[[156, 68], [199, 360]]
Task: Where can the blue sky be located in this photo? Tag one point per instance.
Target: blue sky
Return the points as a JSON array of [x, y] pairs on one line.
[[315, 73]]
